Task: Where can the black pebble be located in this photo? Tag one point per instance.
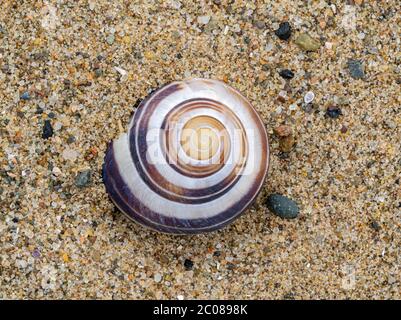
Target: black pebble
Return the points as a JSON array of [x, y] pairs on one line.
[[286, 74], [333, 112], [282, 206], [284, 31], [217, 254], [375, 225], [47, 130], [188, 264], [15, 220]]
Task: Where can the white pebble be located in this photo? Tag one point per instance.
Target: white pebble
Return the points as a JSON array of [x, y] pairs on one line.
[[69, 154], [203, 19], [361, 36], [92, 4], [57, 126], [292, 107], [53, 99], [180, 297], [309, 96], [157, 277], [120, 71], [21, 264], [269, 47], [56, 171], [176, 5]]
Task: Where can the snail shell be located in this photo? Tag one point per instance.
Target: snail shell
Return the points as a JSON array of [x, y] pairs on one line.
[[194, 158]]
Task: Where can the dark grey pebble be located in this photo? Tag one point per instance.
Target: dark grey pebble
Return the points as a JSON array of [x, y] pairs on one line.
[[284, 31], [375, 225], [356, 69], [71, 139], [83, 178], [282, 206], [47, 130], [286, 74], [217, 253], [51, 115], [25, 96], [188, 264], [333, 112]]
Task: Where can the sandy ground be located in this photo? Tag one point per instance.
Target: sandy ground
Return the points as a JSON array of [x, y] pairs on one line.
[[57, 63]]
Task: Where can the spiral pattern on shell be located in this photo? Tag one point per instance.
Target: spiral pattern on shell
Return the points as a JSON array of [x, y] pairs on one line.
[[194, 158]]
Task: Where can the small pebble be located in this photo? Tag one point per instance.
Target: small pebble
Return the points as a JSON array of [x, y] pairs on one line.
[[83, 178], [36, 254], [356, 69], [286, 138], [69, 154], [282, 96], [333, 112], [57, 126], [92, 5], [307, 43], [286, 74], [98, 73], [56, 171], [25, 96], [283, 31], [375, 225], [344, 129], [47, 130], [269, 47], [309, 97], [157, 277], [188, 264], [283, 131], [51, 115], [110, 39], [121, 71], [71, 139], [260, 24], [203, 19], [282, 206]]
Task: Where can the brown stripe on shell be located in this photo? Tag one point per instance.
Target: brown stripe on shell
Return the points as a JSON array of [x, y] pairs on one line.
[[162, 186]]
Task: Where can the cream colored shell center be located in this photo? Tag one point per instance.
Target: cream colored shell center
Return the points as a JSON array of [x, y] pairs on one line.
[[200, 138]]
